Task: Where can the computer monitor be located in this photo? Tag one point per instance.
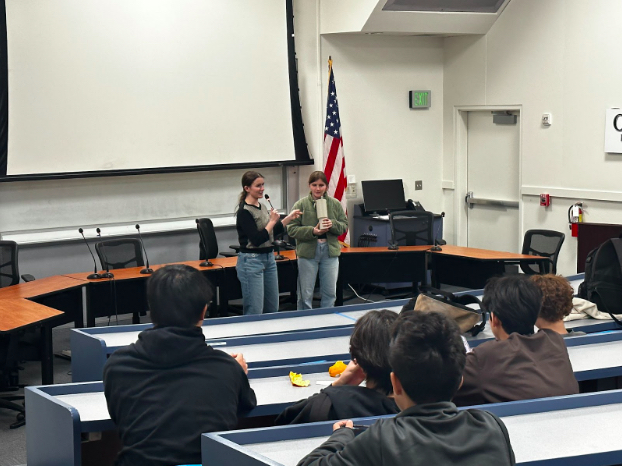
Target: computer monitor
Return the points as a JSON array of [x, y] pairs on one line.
[[383, 195]]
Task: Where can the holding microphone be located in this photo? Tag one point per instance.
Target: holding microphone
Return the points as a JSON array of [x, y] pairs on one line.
[[257, 226]]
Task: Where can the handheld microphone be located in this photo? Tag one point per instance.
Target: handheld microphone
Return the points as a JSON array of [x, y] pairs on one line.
[[147, 269], [107, 273], [94, 275], [268, 199], [206, 262]]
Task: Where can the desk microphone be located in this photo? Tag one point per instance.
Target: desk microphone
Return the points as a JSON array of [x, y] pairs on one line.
[[94, 275], [436, 246], [147, 269], [206, 262], [107, 273]]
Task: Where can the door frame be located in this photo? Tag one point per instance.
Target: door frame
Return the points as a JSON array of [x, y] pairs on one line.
[[460, 166]]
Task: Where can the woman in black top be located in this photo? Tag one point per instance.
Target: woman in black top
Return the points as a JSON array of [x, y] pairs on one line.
[[256, 267]]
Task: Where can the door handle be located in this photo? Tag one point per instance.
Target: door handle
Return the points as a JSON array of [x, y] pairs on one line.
[[471, 201]]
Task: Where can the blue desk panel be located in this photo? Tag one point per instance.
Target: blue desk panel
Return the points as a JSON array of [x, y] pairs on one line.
[[91, 346]]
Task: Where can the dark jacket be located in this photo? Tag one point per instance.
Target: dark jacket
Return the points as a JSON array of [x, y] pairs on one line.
[[335, 403], [424, 435], [168, 388], [519, 368]]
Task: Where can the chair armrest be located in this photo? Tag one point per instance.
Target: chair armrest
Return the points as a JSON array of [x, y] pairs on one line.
[[228, 254], [27, 277]]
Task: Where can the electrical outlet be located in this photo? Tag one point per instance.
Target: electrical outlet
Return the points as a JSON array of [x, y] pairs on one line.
[[418, 185]]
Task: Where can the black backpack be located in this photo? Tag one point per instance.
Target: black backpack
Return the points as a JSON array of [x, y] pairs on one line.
[[603, 277]]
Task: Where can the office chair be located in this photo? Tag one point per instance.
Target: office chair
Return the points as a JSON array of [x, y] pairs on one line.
[[9, 375], [419, 232], [206, 229], [9, 378], [9, 270], [546, 243], [120, 254]]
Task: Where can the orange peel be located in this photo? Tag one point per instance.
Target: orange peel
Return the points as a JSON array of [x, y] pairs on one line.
[[337, 368], [296, 380]]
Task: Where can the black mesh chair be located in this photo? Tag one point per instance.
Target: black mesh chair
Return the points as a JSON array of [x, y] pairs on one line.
[[546, 243], [413, 233], [120, 254], [9, 271], [9, 352], [206, 229]]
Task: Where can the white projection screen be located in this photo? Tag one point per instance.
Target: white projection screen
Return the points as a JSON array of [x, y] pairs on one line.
[[131, 86]]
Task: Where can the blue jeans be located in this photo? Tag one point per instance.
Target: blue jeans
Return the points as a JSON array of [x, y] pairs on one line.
[[307, 273], [260, 284]]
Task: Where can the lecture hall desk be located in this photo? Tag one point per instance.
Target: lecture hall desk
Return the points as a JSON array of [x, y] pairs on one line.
[[576, 430], [61, 414]]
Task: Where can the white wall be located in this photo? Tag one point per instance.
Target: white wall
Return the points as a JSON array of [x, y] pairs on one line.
[[383, 138], [557, 56]]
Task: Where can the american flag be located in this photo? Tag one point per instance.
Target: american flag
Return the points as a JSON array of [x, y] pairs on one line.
[[334, 160]]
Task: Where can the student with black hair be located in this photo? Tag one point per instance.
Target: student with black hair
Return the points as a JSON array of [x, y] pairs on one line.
[[169, 387], [427, 356], [345, 398], [519, 364]]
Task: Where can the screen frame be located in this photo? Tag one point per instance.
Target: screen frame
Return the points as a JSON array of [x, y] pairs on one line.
[[301, 150]]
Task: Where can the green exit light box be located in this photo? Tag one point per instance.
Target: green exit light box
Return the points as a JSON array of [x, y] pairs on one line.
[[420, 99]]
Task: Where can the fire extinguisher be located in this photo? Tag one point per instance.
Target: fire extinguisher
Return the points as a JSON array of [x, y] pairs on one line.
[[575, 216]]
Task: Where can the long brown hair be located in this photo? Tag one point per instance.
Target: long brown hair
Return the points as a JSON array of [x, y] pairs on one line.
[[248, 179]]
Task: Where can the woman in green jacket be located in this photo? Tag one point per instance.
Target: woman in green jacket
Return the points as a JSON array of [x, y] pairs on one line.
[[317, 245]]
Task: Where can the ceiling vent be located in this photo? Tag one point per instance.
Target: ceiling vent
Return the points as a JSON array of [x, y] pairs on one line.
[[455, 6], [411, 17]]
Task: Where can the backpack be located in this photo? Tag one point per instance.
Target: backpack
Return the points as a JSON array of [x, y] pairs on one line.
[[469, 319], [603, 277]]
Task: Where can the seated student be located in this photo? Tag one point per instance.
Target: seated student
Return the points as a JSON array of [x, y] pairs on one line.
[[169, 387], [369, 348], [427, 357], [556, 303], [519, 364]]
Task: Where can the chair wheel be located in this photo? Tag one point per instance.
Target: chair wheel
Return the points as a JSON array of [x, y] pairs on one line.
[[20, 421]]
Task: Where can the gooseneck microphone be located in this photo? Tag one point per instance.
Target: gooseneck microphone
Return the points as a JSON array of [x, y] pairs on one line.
[[436, 246], [107, 273], [147, 269], [94, 275], [206, 262]]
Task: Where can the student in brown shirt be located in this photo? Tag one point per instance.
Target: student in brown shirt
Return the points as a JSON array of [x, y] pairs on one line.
[[519, 364]]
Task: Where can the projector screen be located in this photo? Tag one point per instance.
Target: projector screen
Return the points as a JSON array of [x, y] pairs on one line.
[[140, 86]]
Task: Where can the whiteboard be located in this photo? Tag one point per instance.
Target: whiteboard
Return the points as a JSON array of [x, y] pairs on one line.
[[146, 84], [53, 210]]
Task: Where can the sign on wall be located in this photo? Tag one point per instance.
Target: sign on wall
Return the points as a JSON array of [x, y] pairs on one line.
[[613, 131]]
